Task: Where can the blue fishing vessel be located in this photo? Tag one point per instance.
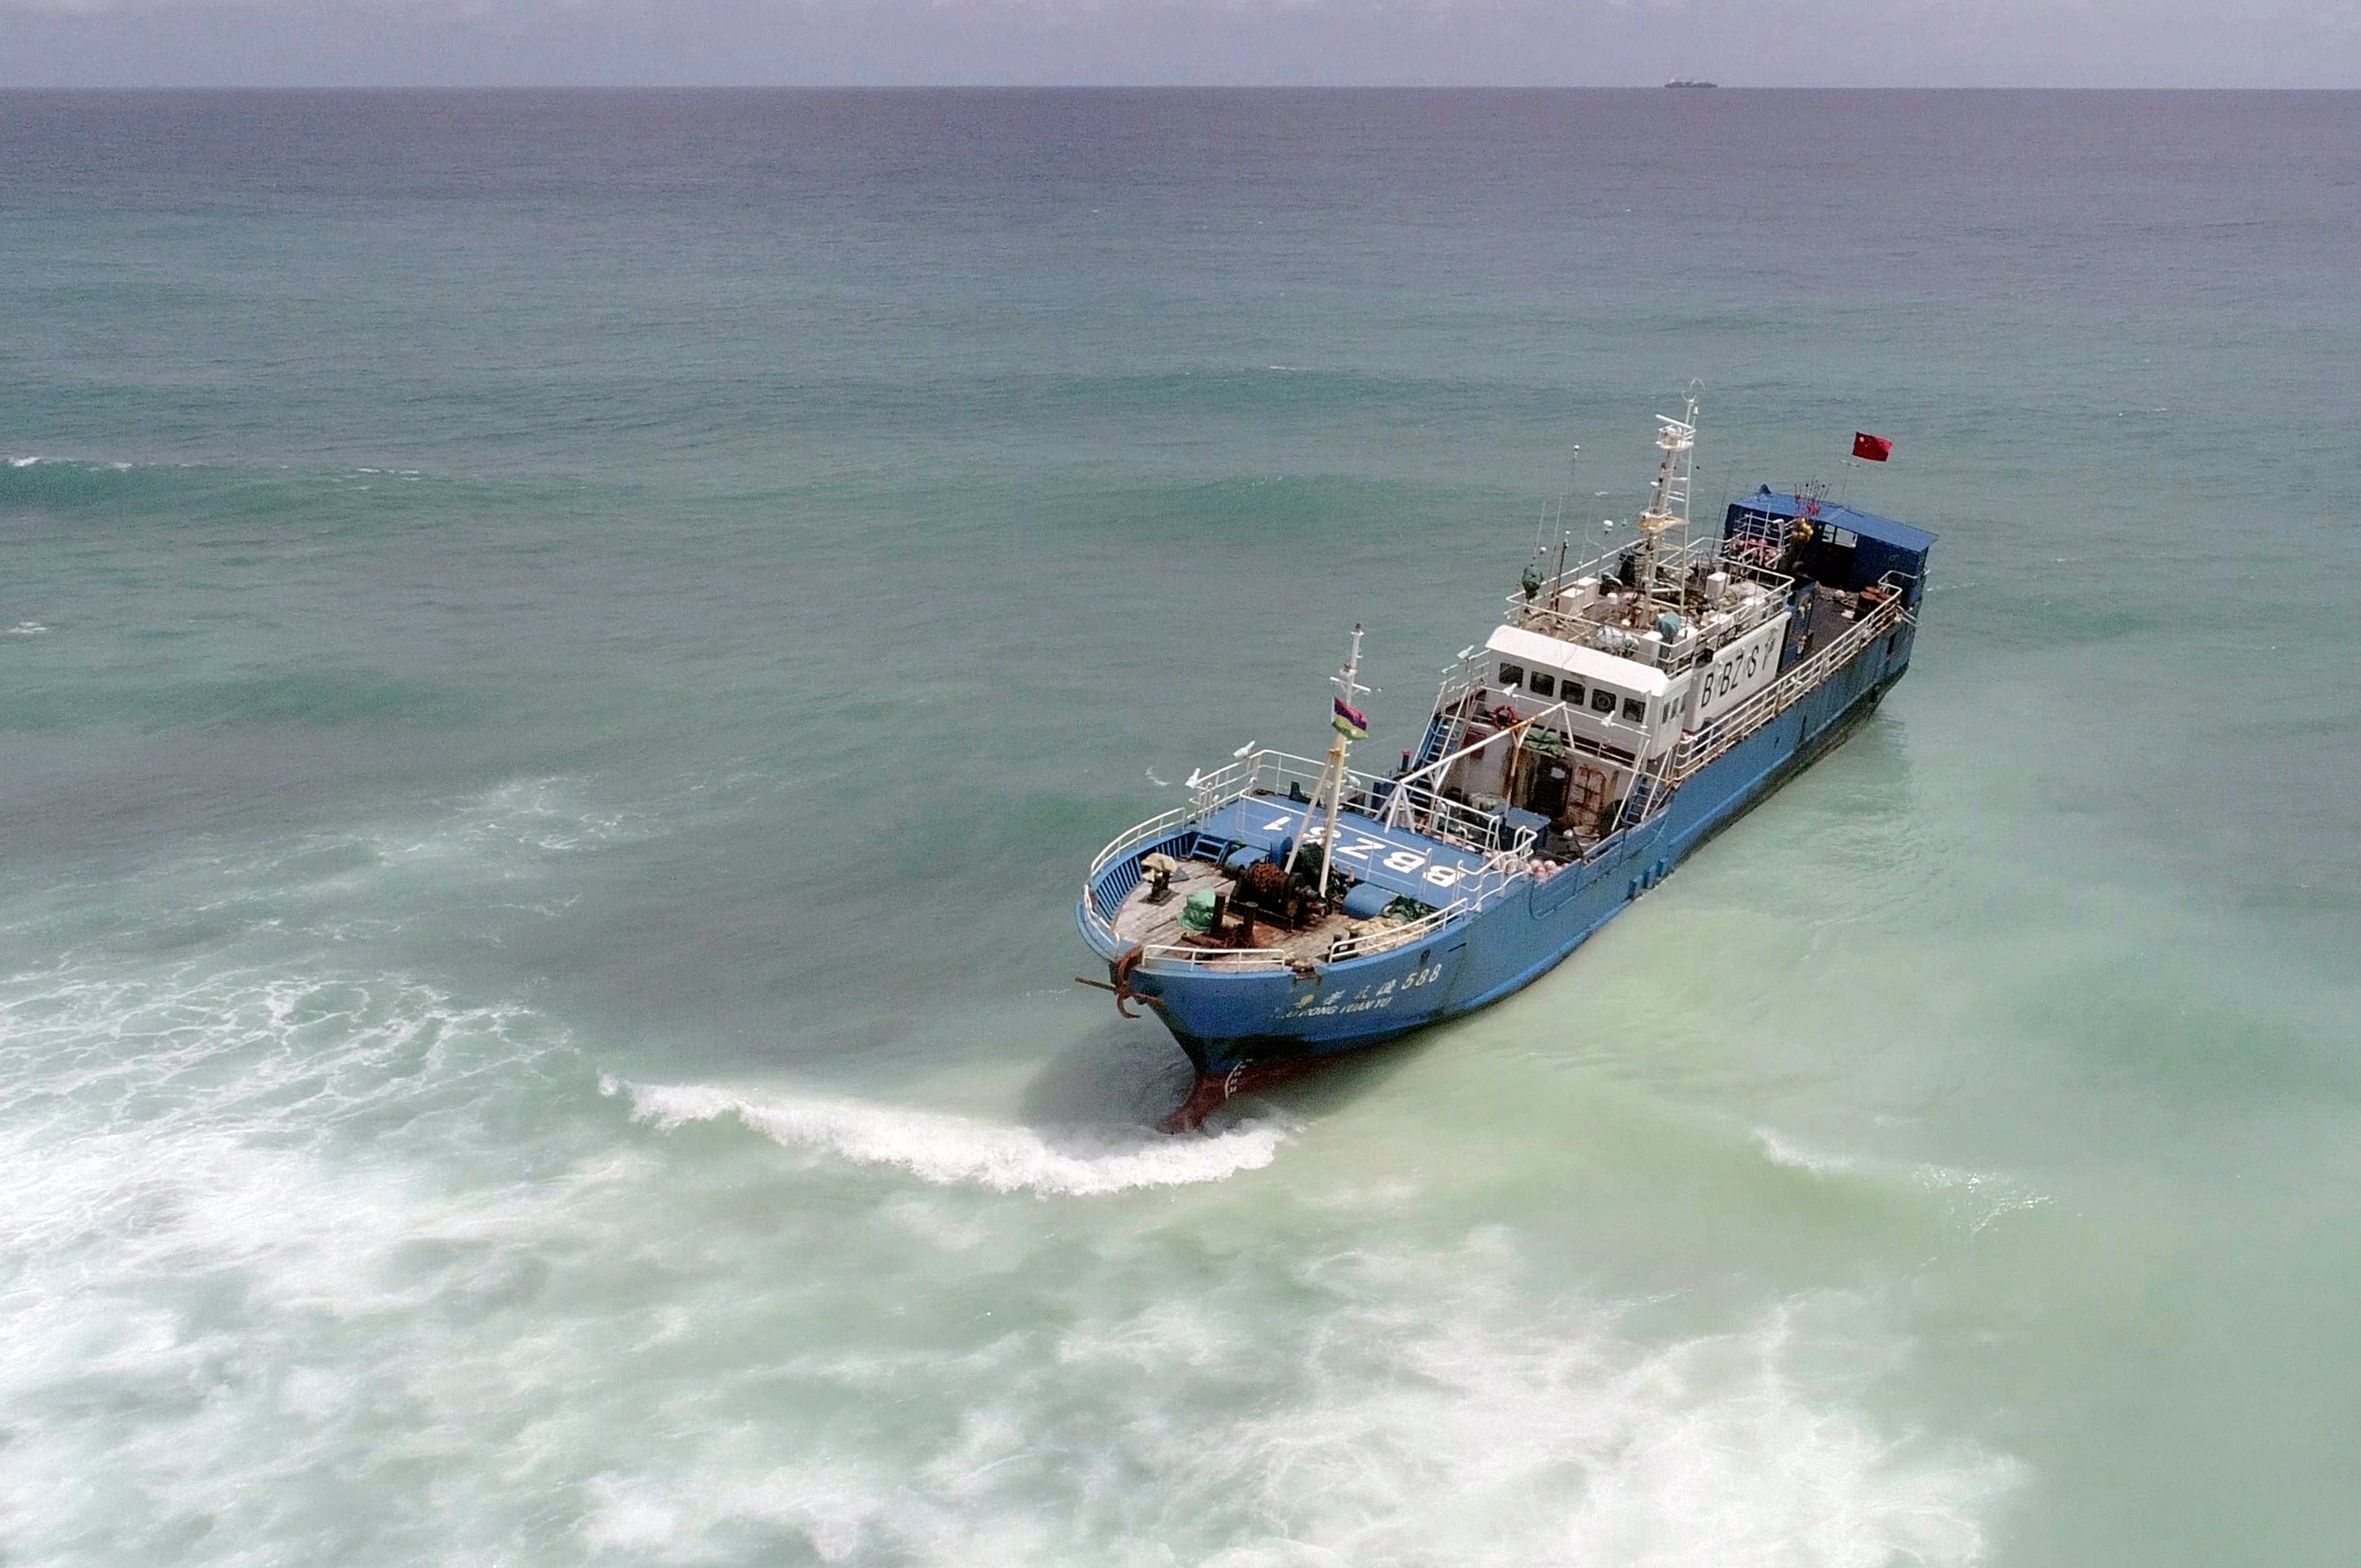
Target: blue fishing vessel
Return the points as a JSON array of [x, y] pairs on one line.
[[1623, 710]]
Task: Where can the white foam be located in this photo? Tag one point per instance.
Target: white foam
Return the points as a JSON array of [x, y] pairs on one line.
[[267, 1230], [22, 462], [1388, 1406], [349, 883], [238, 1078], [244, 1211], [1782, 1150], [830, 1508], [523, 819], [1978, 1199], [932, 1218], [28, 629], [959, 1150], [1166, 1337]]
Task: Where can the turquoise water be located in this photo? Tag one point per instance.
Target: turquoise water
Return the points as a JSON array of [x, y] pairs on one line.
[[568, 652]]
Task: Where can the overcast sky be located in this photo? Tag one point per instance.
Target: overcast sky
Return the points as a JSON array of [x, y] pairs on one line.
[[1573, 42]]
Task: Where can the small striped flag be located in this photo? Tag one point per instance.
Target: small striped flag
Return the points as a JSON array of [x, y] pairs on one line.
[[1350, 722]]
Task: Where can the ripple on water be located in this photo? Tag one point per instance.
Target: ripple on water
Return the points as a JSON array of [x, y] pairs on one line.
[[1975, 1199]]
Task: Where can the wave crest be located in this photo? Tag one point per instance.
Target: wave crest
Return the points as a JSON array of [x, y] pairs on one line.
[[950, 1150]]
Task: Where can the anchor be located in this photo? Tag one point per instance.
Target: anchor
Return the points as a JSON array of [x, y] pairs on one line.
[[1119, 982]]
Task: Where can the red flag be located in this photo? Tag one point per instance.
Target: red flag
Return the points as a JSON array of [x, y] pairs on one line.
[[1872, 448]]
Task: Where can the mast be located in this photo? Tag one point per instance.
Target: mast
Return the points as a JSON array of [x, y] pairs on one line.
[[1331, 773], [1668, 497]]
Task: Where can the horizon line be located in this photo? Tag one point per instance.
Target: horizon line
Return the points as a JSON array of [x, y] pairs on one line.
[[1119, 87]]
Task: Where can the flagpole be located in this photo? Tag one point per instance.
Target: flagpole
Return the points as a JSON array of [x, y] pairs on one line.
[[1344, 743], [1348, 686], [1334, 762]]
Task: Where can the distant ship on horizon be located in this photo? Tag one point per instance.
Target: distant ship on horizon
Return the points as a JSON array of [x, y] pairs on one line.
[[1689, 81]]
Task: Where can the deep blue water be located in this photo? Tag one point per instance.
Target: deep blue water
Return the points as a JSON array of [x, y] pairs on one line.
[[569, 650]]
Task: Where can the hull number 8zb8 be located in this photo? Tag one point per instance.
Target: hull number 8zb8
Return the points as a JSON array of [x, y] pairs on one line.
[[1351, 846]]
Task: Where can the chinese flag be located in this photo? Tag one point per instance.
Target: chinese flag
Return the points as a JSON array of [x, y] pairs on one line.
[[1872, 448]]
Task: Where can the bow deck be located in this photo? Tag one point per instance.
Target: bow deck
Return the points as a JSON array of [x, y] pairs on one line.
[[1397, 861]]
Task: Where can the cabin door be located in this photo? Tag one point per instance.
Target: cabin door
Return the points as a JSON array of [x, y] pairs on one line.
[[1546, 785]]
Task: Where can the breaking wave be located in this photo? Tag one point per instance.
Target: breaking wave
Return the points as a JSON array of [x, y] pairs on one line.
[[271, 1232], [958, 1150]]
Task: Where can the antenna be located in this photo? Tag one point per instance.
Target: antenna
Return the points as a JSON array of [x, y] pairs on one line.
[[1541, 529], [1345, 680], [1572, 458]]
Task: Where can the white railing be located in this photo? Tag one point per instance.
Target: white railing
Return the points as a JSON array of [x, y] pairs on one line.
[[1684, 653], [1215, 958], [1158, 827], [1266, 773], [1208, 793], [1413, 795], [1099, 924], [1421, 810], [1671, 563], [1695, 751], [1269, 772], [1387, 938], [1383, 939], [1469, 670], [1250, 775]]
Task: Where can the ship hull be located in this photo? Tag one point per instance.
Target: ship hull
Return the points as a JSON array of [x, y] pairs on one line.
[[1241, 1028]]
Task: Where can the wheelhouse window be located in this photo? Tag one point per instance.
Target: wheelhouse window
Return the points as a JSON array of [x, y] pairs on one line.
[[1601, 700], [1571, 692], [1512, 676], [1541, 683], [1635, 711]]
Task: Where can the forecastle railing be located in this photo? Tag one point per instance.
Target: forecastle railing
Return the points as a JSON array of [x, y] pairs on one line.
[[1383, 939], [1268, 773]]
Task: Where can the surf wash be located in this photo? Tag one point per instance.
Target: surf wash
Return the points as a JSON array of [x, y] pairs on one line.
[[1623, 710]]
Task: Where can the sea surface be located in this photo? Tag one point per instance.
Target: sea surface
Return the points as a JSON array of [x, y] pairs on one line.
[[562, 656]]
